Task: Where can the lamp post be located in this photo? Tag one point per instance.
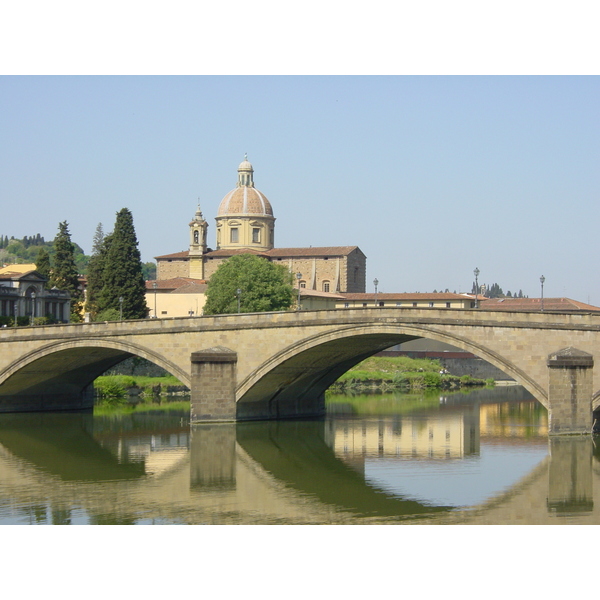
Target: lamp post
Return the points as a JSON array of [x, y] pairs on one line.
[[542, 279], [476, 273], [154, 286], [16, 311], [376, 283], [298, 278], [238, 293], [120, 308], [32, 307]]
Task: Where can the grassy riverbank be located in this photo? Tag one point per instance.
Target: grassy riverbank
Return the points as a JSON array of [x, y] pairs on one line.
[[381, 373], [116, 389], [401, 373]]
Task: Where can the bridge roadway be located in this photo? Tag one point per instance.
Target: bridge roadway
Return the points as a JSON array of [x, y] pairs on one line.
[[278, 365]]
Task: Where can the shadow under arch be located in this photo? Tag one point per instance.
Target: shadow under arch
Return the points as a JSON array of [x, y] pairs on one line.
[[57, 376], [297, 377]]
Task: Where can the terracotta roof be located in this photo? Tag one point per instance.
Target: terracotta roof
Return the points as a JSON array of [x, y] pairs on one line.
[[274, 253], [191, 288], [183, 254], [324, 251], [233, 251], [550, 304], [406, 296], [172, 284], [317, 294]]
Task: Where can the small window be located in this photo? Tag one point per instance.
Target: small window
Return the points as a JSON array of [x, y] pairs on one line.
[[431, 305], [255, 235], [234, 235], [447, 304], [303, 284], [346, 304], [163, 312], [381, 304], [326, 286], [414, 304], [364, 304], [398, 303]]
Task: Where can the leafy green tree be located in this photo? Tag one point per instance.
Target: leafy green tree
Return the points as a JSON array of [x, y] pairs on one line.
[[264, 286], [64, 273], [122, 272], [42, 263]]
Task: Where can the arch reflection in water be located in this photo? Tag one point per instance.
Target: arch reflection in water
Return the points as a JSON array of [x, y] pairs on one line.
[[487, 463]]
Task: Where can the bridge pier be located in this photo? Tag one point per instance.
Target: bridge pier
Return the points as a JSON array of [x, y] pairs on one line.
[[213, 382], [570, 390]]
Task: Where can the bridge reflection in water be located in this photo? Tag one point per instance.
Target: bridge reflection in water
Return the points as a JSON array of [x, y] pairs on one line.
[[74, 468]]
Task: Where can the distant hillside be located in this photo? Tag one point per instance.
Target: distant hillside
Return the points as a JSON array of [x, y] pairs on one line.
[[25, 250]]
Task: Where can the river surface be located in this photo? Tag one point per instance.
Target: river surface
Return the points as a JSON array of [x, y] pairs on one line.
[[477, 458]]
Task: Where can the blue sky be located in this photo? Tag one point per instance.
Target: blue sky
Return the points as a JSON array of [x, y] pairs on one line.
[[431, 176]]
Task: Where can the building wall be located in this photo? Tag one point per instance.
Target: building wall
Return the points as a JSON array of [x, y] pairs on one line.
[[340, 273], [356, 273], [171, 268], [413, 303], [175, 305]]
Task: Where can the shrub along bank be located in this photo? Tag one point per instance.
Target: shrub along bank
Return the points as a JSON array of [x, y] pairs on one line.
[[401, 373], [117, 389]]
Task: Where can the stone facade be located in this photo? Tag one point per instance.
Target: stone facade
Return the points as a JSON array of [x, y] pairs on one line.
[[245, 224]]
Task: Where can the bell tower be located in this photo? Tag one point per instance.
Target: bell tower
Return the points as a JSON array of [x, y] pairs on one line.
[[198, 227]]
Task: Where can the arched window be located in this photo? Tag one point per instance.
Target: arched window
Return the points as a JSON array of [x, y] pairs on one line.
[[196, 236]]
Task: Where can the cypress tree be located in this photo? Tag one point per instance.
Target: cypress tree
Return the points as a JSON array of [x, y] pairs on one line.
[[98, 239], [95, 275], [64, 274], [123, 271], [42, 263]]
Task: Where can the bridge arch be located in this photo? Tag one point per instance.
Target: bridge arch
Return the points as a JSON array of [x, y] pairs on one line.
[[303, 371], [60, 372]]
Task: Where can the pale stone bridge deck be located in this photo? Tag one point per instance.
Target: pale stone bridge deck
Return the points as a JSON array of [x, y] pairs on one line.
[[277, 365]]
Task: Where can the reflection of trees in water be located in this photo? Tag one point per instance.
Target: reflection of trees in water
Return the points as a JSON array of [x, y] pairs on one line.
[[295, 452]]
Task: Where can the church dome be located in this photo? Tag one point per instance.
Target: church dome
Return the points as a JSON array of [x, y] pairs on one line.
[[245, 199]]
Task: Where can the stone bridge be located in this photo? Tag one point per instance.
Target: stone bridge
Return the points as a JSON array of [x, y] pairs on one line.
[[278, 365]]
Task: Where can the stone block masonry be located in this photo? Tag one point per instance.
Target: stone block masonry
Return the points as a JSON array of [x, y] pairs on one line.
[[213, 383], [570, 390]]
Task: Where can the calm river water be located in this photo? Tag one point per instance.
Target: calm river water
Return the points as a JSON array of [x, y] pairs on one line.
[[477, 458]]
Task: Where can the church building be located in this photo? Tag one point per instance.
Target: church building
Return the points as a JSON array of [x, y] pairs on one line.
[[245, 224]]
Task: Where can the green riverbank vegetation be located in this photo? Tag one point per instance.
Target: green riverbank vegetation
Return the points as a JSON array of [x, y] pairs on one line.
[[119, 389], [386, 373]]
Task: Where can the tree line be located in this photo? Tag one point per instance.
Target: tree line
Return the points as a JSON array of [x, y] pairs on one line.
[[115, 282]]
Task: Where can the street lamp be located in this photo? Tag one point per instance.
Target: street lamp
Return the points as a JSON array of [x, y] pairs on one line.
[[16, 311], [375, 283], [238, 293], [120, 308], [476, 273], [542, 279], [298, 277], [154, 286], [32, 307]]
